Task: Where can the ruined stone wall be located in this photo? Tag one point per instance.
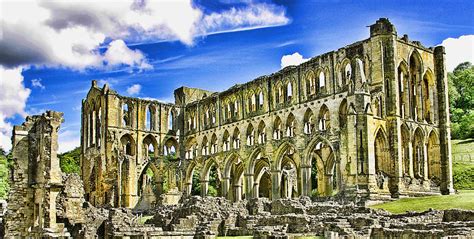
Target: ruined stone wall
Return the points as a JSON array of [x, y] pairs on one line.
[[35, 178], [371, 114]]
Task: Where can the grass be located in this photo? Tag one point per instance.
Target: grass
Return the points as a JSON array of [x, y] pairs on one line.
[[462, 146], [463, 170], [463, 200]]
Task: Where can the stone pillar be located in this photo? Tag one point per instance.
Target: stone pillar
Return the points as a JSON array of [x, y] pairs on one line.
[[444, 121], [306, 180], [276, 178], [36, 179], [204, 187], [425, 162], [250, 192], [226, 188], [237, 193], [410, 159]]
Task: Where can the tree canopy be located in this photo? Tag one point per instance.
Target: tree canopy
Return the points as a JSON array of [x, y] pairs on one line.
[[461, 100]]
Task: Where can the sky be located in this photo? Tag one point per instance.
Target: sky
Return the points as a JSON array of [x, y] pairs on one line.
[[50, 51]]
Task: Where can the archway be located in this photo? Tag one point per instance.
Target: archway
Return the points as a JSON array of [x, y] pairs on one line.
[[403, 89], [288, 166], [149, 148], [429, 97], [150, 186], [383, 163], [416, 66], [418, 154], [405, 150], [211, 180], [324, 180], [128, 144], [324, 119], [262, 178], [309, 122], [233, 178], [434, 163]]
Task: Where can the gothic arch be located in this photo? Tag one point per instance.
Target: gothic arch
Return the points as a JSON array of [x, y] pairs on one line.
[[418, 153], [128, 145], [434, 156]]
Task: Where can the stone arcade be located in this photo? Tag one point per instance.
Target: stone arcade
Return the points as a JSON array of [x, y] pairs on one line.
[[370, 119], [298, 152]]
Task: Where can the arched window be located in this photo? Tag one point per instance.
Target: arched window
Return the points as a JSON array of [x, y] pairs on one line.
[[126, 120], [253, 106], [214, 144], [324, 122], [236, 138], [289, 91], [250, 135], [128, 145], [310, 84], [236, 108], [308, 122], [322, 80], [347, 74], [98, 127], [170, 120], [290, 126], [343, 114], [262, 137], [226, 140], [204, 147], [260, 100], [415, 86], [277, 129]]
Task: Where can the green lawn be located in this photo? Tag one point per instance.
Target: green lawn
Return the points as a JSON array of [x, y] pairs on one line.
[[463, 200], [463, 169]]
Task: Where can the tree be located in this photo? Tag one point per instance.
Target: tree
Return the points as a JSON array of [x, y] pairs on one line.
[[70, 161], [461, 100], [4, 186]]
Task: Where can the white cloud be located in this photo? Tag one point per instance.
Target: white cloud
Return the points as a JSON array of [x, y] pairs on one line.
[[134, 89], [292, 60], [249, 17], [37, 83], [68, 140], [69, 33], [12, 101], [119, 54], [459, 50]]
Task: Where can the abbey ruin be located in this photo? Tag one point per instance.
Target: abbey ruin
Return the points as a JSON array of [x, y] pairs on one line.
[[302, 151], [370, 119]]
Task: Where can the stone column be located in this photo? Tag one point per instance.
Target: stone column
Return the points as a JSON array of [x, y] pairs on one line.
[[410, 160], [306, 180], [237, 193], [444, 121], [226, 188], [276, 178], [204, 187], [249, 186], [425, 162]]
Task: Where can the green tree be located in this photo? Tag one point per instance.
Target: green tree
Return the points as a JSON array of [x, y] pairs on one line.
[[4, 169], [70, 161], [461, 100]]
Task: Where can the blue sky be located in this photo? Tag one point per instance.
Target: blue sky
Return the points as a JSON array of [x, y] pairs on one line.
[[207, 44]]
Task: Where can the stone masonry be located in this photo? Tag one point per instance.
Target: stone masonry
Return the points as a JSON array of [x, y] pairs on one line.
[[369, 120]]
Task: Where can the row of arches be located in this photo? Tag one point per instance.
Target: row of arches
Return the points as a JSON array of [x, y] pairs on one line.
[[261, 133], [92, 125], [287, 175], [150, 119], [420, 156], [417, 90]]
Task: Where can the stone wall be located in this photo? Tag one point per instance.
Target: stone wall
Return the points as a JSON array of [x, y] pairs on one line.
[[367, 120], [35, 180]]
